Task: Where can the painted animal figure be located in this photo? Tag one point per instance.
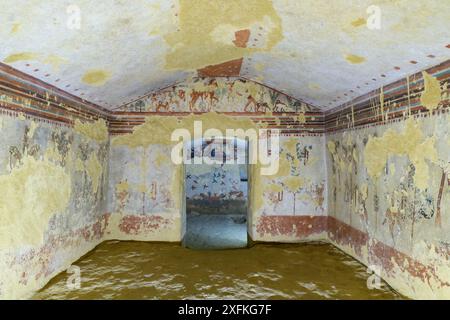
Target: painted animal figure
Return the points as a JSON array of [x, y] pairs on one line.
[[236, 194], [262, 107], [181, 94], [212, 98], [204, 96], [257, 106], [250, 102], [195, 95], [162, 106], [279, 106], [230, 86]]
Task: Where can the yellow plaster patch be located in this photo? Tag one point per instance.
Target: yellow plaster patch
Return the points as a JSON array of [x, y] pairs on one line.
[[392, 169], [161, 159], [158, 129], [293, 183], [382, 102], [94, 130], [142, 188], [331, 147], [313, 86], [431, 96], [122, 186], [20, 57], [358, 22], [32, 129], [410, 142], [291, 145], [31, 195], [177, 186], [155, 32], [301, 118], [51, 153], [197, 42], [15, 28], [354, 59], [364, 191], [273, 187], [259, 66], [79, 165], [52, 60], [96, 77], [94, 170], [224, 34]]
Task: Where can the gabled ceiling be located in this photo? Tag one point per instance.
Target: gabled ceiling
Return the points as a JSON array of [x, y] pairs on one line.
[[319, 51]]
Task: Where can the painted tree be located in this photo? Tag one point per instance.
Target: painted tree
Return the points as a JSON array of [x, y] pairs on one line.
[[294, 185]]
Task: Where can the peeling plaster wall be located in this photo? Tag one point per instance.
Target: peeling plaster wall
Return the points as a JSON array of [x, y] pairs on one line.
[[389, 189], [293, 205], [53, 192], [145, 194]]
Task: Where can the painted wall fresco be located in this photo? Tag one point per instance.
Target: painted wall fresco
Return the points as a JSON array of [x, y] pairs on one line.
[[241, 104], [294, 201], [145, 184], [419, 93], [385, 188], [219, 95], [389, 193], [225, 180], [144, 194], [214, 182], [53, 187]]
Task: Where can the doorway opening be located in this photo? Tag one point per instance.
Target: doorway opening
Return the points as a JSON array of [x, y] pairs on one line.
[[216, 194]]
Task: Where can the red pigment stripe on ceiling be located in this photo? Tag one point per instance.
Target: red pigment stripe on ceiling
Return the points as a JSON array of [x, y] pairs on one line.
[[227, 69], [29, 80], [241, 38], [230, 68]]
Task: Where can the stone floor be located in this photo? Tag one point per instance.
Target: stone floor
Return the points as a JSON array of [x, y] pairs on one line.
[[215, 231]]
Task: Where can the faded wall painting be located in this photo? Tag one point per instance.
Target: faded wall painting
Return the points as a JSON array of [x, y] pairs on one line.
[[219, 95], [389, 193], [390, 183], [52, 181]]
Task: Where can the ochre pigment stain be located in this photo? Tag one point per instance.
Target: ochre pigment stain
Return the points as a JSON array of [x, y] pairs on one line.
[[431, 96], [410, 142], [97, 130], [30, 200], [96, 77], [358, 22], [354, 59], [142, 270], [15, 28], [20, 57], [53, 60], [206, 38]]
